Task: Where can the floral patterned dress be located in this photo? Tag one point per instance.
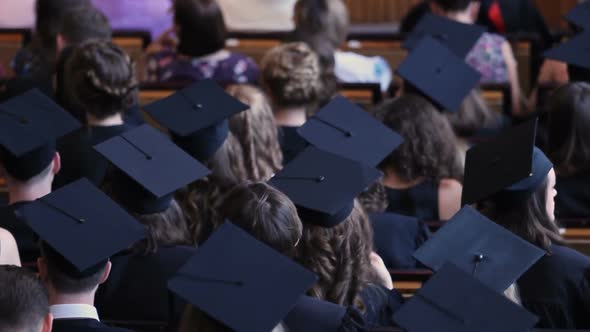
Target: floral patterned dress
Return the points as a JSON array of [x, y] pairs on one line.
[[169, 66], [487, 58]]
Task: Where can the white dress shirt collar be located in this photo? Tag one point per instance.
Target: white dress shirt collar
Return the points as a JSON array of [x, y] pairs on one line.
[[73, 311]]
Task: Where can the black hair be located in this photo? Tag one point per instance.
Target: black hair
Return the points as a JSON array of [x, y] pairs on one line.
[[202, 28], [85, 23]]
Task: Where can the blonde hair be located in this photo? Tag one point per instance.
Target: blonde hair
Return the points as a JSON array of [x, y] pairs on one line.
[[292, 75], [256, 132]]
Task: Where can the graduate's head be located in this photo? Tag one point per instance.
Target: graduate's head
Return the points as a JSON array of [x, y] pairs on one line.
[[429, 149], [12, 168], [82, 24], [569, 128], [265, 213], [322, 20], [24, 302], [49, 15], [256, 132], [291, 75], [62, 278], [340, 256], [99, 80], [202, 18], [474, 114]]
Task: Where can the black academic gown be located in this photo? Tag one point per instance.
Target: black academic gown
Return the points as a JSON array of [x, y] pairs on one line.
[[79, 159], [291, 143], [83, 325], [397, 237], [420, 201], [137, 288], [573, 196], [314, 315], [380, 305], [557, 289], [26, 239]]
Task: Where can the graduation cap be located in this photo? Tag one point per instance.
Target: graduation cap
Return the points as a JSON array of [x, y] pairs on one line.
[[197, 117], [437, 73], [82, 226], [458, 37], [509, 164], [454, 301], [314, 315], [151, 168], [343, 128], [30, 124], [480, 247], [323, 185], [575, 51], [580, 15], [247, 285]]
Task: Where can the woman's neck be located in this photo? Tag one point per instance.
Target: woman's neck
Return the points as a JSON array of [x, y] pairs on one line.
[[392, 180], [113, 120], [290, 117], [461, 16]]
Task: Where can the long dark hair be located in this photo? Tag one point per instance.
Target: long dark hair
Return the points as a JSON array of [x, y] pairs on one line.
[[569, 128], [202, 28], [525, 218], [340, 256], [429, 149]]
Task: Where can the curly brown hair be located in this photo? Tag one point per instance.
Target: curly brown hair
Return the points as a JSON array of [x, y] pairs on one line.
[[340, 256], [200, 201], [99, 79], [429, 150], [256, 132], [291, 74]]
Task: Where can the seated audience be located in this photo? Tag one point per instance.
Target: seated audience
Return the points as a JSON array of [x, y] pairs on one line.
[[24, 302], [568, 147], [292, 78], [199, 58], [8, 249], [323, 25], [99, 82], [256, 132], [492, 55], [422, 175]]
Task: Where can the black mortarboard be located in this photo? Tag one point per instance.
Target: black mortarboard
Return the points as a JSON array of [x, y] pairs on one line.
[[343, 128], [314, 315], [479, 246], [82, 225], [580, 15], [323, 185], [439, 74], [453, 301], [574, 51], [154, 168], [458, 37], [197, 117], [509, 164], [247, 285], [29, 127]]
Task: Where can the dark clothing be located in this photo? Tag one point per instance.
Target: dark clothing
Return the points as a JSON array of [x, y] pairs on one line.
[[314, 315], [83, 325], [420, 201], [137, 288], [414, 16], [573, 196], [26, 240], [557, 289], [79, 159], [291, 143], [397, 237], [381, 304]]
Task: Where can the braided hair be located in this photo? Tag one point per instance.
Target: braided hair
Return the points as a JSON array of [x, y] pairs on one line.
[[99, 79]]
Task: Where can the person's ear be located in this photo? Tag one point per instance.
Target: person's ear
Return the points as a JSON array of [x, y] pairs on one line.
[[106, 273], [42, 268], [56, 163], [47, 323]]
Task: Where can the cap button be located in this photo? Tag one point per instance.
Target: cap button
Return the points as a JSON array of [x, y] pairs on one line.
[[197, 106]]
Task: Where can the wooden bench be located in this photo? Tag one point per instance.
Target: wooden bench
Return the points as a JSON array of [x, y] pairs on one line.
[[364, 94], [497, 97], [11, 41], [134, 42], [408, 282]]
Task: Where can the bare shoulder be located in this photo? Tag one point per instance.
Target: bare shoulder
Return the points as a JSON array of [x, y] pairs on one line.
[[449, 198]]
